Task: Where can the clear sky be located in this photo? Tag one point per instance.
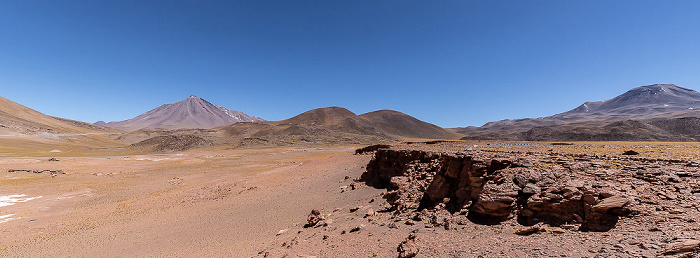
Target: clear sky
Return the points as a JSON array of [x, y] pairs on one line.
[[451, 63]]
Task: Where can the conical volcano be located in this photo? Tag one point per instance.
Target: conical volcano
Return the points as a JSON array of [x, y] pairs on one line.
[[193, 112]]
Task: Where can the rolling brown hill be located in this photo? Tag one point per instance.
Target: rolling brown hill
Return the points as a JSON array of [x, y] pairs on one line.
[[18, 119], [339, 124], [399, 124], [24, 131]]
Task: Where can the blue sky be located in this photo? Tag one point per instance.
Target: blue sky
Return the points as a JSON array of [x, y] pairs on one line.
[[451, 63]]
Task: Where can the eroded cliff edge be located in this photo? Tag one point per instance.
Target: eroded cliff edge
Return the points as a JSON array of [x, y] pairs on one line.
[[572, 192]]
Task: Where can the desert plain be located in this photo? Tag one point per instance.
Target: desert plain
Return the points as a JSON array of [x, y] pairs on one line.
[[245, 202]]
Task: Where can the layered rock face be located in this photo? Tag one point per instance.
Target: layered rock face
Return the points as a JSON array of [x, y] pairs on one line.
[[485, 187]]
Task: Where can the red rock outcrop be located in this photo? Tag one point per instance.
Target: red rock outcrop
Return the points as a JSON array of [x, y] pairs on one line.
[[447, 188]]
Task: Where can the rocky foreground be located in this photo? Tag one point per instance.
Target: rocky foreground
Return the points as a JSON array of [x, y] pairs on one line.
[[508, 203]]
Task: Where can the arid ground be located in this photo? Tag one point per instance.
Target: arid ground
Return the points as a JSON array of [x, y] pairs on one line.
[[197, 203], [256, 202]]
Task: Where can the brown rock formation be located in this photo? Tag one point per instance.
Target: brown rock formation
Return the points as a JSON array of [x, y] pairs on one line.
[[490, 190]]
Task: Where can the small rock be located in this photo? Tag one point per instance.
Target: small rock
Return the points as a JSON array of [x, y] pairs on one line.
[[557, 231], [314, 218], [682, 247], [531, 189], [408, 247], [530, 230], [630, 152], [356, 228], [676, 211], [611, 202], [568, 226]]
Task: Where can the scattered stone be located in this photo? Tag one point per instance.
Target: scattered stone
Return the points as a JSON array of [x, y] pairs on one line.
[[36, 171], [408, 247]]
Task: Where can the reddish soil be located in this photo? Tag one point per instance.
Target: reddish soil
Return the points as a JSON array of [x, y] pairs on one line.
[[256, 202]]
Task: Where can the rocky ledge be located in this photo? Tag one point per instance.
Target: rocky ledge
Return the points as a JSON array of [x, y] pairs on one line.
[[584, 193]]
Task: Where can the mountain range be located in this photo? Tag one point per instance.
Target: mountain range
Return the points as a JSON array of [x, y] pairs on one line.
[[638, 114], [659, 112], [193, 112], [195, 122]]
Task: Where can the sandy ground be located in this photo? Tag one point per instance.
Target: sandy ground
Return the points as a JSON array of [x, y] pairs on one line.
[[248, 203], [201, 203]]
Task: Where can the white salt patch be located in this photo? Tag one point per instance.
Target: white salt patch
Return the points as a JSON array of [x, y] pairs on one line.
[[7, 200], [8, 217], [55, 151]]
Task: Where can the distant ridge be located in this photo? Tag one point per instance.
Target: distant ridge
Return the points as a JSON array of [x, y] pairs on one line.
[[193, 112], [640, 103]]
